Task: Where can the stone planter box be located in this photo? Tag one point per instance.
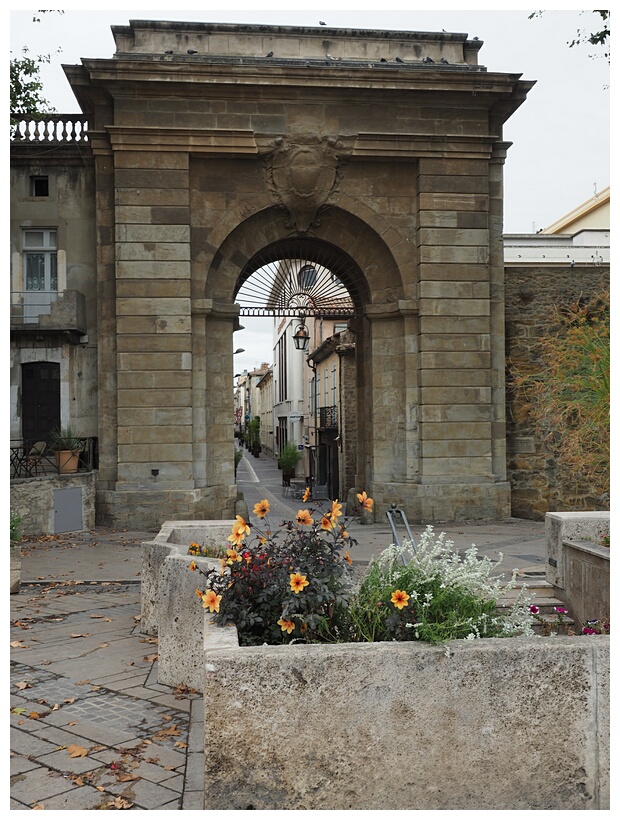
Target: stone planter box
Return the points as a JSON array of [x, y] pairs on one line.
[[577, 566], [499, 724], [169, 606]]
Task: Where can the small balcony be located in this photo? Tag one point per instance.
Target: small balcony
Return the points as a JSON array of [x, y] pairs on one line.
[[45, 312], [328, 418], [28, 460]]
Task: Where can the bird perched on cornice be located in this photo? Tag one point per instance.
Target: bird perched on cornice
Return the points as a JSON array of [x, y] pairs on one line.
[[321, 23], [192, 51], [427, 60], [398, 60], [270, 54], [329, 57], [169, 51], [383, 60], [444, 61]]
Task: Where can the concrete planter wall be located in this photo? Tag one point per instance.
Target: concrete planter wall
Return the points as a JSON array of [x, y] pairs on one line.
[[577, 566], [500, 724], [169, 606]]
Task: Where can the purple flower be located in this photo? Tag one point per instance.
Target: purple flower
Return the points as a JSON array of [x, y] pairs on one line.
[[560, 610], [534, 610]]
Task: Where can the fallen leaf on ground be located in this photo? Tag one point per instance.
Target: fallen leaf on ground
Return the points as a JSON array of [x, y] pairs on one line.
[[24, 685], [81, 682], [38, 806], [76, 751], [18, 645], [150, 658], [80, 634], [180, 744]]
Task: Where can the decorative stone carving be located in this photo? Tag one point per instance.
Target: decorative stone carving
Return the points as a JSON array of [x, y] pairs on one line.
[[304, 174]]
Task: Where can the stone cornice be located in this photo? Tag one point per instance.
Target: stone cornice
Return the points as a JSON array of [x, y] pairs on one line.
[[217, 310], [391, 310], [224, 141], [393, 146]]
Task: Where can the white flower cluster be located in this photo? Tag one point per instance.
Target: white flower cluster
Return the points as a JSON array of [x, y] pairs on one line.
[[437, 558]]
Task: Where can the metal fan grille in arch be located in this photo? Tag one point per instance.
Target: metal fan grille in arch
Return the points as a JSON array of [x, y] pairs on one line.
[[298, 281]]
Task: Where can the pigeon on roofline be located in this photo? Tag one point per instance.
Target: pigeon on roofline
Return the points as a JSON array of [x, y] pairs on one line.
[[398, 60], [383, 60], [192, 51], [270, 54], [444, 61], [321, 23], [427, 60], [329, 57], [169, 51]]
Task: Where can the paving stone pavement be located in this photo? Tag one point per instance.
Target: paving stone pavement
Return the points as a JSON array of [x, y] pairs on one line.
[[91, 728]]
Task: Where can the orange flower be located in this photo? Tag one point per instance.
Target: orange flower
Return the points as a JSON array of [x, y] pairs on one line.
[[306, 494], [233, 555], [400, 598], [239, 531], [298, 582], [303, 517], [261, 540], [262, 508], [347, 558], [286, 626], [336, 510], [223, 563], [327, 523], [365, 502], [192, 566], [211, 601]]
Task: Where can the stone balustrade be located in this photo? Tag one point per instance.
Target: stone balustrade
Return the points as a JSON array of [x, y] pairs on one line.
[[52, 128]]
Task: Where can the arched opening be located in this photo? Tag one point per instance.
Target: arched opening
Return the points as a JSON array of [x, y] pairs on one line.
[[307, 294]]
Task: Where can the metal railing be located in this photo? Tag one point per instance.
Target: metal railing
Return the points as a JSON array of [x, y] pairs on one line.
[[328, 418], [27, 461], [49, 128]]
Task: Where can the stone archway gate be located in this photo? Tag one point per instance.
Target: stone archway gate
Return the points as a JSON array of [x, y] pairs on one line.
[[214, 141]]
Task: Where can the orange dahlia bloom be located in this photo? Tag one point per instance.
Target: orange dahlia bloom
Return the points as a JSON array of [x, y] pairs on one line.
[[327, 523], [192, 566], [240, 530], [233, 555], [347, 558], [365, 502], [298, 582], [286, 626], [211, 601], [303, 517], [306, 494], [400, 598], [336, 510], [262, 508]]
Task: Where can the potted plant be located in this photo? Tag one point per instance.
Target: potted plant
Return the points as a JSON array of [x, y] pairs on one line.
[[287, 461], [67, 444]]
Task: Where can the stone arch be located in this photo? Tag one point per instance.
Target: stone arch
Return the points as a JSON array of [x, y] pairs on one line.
[[384, 381]]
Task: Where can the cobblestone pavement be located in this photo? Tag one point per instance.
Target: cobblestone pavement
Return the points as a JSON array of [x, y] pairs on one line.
[[91, 728]]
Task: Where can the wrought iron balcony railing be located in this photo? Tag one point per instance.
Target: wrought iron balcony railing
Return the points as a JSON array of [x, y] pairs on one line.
[[328, 418], [28, 460]]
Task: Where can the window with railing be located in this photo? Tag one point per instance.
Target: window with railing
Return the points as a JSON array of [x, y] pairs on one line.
[[328, 418], [40, 271]]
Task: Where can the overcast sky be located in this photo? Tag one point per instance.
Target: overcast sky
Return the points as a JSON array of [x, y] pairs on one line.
[[560, 135]]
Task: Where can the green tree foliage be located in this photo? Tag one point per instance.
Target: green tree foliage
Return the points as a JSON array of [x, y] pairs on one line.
[[601, 37], [26, 89], [568, 398]]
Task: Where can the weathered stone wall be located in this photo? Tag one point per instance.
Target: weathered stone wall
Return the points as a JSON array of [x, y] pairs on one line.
[[539, 484], [496, 724], [33, 499]]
